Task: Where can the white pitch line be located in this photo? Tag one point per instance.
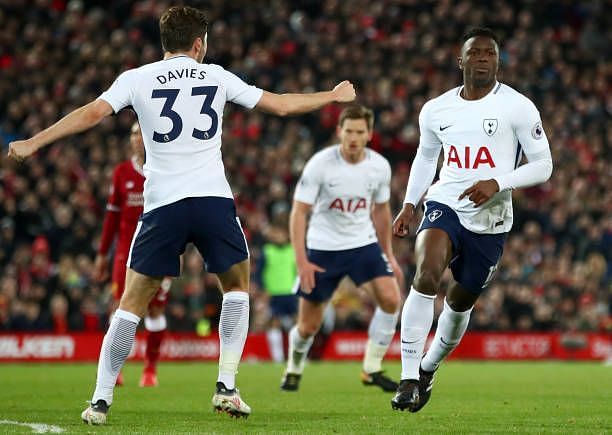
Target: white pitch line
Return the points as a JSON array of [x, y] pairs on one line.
[[36, 427]]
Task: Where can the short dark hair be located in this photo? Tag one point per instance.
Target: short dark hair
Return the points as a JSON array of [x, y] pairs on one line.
[[357, 111], [179, 26], [480, 31]]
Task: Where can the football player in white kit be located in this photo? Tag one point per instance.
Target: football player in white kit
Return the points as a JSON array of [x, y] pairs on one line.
[[179, 102], [484, 128], [346, 189]]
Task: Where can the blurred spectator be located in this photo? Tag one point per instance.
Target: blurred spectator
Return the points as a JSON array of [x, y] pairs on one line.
[[276, 274], [556, 272]]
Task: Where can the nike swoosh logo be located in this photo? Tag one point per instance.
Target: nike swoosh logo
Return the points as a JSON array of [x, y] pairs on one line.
[[332, 184], [444, 128], [410, 342], [442, 340]]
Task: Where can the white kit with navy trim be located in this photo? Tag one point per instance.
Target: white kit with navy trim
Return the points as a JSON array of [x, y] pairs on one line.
[[180, 104], [482, 139], [341, 195]]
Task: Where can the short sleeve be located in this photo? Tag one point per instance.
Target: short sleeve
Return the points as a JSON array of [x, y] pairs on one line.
[[383, 190], [307, 188], [240, 92], [529, 130], [119, 94]]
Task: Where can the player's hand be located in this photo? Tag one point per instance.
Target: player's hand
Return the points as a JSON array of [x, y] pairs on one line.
[[306, 271], [401, 224], [100, 272], [20, 149], [344, 92], [480, 192], [397, 271]]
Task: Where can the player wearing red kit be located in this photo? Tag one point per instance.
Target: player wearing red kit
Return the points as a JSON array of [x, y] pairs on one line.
[[124, 207]]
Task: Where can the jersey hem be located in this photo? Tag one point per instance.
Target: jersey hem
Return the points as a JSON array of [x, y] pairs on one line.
[[341, 248], [149, 208]]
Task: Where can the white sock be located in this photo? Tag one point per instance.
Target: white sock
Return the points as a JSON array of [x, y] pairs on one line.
[[155, 324], [451, 327], [116, 347], [233, 330], [298, 349], [380, 334], [417, 317], [329, 319], [275, 341]]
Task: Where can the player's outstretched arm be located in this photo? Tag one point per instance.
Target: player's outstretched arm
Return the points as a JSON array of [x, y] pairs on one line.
[[76, 121], [294, 104]]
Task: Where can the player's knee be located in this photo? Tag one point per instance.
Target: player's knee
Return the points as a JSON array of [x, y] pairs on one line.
[[237, 283], [390, 304], [134, 305], [460, 299], [236, 278], [427, 281], [458, 305], [137, 296], [308, 329], [155, 311]]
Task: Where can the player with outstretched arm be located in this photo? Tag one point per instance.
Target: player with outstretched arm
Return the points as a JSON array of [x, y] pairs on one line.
[[179, 102]]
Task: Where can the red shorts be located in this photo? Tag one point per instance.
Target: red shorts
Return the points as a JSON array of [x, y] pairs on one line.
[[118, 283]]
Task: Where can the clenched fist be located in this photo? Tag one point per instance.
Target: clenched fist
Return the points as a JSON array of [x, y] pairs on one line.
[[20, 149], [344, 92]]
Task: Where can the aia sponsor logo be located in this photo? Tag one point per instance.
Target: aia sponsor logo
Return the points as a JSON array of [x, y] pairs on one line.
[[469, 159], [351, 206]]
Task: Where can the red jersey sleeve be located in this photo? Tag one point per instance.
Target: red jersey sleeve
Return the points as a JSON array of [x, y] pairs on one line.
[[113, 212]]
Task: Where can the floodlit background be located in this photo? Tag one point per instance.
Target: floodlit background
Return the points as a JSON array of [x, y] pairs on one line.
[[551, 297], [56, 55]]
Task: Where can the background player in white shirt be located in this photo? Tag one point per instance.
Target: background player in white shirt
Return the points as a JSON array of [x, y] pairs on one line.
[[179, 102], [484, 128], [347, 189]]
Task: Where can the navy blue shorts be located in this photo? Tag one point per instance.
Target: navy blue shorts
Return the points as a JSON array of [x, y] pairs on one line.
[[361, 264], [475, 256], [283, 305], [210, 223]]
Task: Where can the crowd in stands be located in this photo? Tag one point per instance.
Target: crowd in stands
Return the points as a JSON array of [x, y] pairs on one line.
[[55, 55]]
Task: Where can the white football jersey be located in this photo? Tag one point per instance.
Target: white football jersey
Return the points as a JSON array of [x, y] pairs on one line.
[[481, 139], [341, 195], [179, 103]]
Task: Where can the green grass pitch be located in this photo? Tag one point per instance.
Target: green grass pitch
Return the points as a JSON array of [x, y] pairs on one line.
[[468, 397]]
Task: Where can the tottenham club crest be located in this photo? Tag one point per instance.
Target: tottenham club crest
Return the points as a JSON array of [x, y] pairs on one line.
[[490, 126], [434, 215]]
